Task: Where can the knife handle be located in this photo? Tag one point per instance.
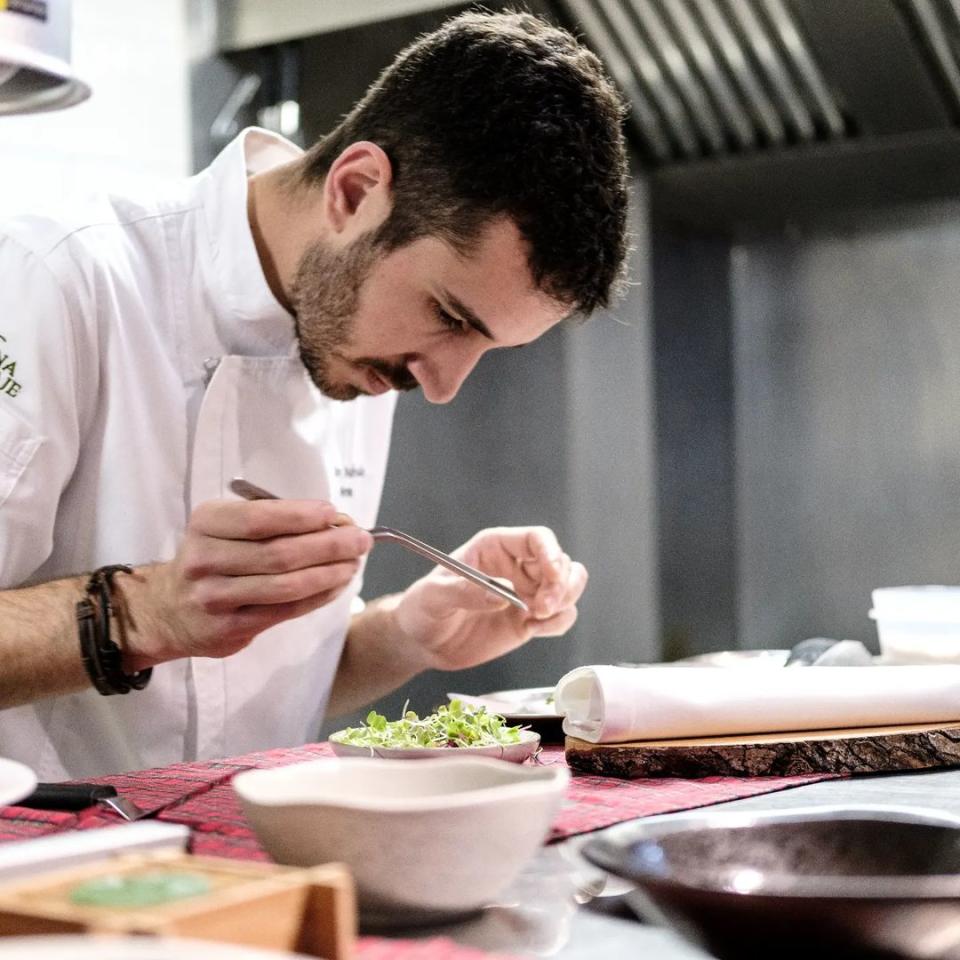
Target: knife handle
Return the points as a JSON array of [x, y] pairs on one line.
[[67, 796]]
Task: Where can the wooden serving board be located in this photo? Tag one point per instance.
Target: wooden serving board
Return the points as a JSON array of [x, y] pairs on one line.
[[851, 750], [311, 911]]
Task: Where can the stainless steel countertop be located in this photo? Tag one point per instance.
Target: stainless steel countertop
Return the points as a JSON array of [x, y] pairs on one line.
[[563, 907]]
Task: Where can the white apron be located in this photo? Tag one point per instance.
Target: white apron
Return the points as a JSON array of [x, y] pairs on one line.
[[260, 420]]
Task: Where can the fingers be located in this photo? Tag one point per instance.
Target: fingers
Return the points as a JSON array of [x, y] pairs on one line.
[[268, 552], [503, 547], [547, 584], [205, 556], [217, 595], [550, 601], [240, 626], [531, 558], [242, 567], [260, 519], [555, 626], [551, 598]]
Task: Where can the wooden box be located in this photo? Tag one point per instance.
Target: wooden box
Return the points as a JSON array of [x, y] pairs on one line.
[[310, 911]]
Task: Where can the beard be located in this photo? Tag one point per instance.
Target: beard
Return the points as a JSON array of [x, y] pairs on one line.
[[325, 295]]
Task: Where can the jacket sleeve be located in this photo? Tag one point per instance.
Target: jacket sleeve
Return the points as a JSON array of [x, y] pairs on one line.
[[42, 404]]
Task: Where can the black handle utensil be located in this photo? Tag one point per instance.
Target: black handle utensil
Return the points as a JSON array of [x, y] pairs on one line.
[[79, 796]]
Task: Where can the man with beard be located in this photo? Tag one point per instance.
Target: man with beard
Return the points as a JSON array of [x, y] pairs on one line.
[[257, 321]]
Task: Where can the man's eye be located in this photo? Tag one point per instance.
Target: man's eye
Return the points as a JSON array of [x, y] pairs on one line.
[[449, 320]]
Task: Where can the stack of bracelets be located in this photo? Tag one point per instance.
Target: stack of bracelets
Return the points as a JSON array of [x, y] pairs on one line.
[[102, 657]]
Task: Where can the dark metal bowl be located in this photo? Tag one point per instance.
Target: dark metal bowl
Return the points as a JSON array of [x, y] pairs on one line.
[[844, 882]]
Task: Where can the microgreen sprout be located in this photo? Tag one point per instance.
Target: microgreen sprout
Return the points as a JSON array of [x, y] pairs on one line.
[[453, 725]]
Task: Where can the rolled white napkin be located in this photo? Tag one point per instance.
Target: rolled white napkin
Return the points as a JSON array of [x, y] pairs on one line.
[[604, 704]]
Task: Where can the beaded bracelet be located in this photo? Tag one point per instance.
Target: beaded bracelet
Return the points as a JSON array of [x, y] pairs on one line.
[[102, 658]]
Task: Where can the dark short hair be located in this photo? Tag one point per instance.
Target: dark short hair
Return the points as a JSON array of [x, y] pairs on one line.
[[501, 114]]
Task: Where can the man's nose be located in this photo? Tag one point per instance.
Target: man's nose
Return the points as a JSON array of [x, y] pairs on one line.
[[441, 375]]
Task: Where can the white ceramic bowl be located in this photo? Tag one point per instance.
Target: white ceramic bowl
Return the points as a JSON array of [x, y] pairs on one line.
[[425, 841]]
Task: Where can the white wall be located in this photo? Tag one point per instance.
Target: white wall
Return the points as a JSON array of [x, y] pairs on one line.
[[134, 127]]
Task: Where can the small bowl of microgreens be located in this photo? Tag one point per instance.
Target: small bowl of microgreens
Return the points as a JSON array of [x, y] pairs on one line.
[[454, 730]]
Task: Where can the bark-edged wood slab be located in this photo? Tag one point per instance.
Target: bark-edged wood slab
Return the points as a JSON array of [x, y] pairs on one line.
[[854, 750]]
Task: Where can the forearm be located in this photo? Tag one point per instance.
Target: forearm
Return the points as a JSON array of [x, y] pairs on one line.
[[39, 649], [40, 642], [228, 582], [376, 658]]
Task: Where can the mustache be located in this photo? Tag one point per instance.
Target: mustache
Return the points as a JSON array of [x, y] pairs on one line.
[[398, 376]]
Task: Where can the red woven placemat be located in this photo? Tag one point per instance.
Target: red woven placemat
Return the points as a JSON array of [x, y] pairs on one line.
[[22, 823], [220, 828], [152, 790], [594, 802], [199, 795]]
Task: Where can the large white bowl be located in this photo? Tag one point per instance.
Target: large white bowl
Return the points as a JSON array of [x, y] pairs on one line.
[[425, 841]]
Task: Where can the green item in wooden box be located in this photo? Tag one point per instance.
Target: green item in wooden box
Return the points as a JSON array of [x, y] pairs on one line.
[[147, 889]]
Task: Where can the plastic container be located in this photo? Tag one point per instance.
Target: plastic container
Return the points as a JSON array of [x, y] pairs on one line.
[[918, 624]]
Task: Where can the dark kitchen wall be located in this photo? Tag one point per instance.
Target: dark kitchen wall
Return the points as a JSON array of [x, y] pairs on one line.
[[803, 169], [847, 372], [692, 351], [809, 421]]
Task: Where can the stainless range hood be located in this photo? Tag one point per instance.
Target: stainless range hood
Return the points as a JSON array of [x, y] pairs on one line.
[[742, 111], [242, 24], [718, 78]]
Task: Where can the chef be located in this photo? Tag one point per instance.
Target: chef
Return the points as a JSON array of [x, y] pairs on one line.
[[257, 321]]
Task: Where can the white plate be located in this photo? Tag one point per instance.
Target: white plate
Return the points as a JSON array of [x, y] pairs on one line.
[[736, 659], [531, 703], [733, 659], [107, 947], [514, 752], [16, 781]]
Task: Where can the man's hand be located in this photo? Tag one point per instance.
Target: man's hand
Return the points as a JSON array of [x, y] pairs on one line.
[[449, 623], [242, 567]]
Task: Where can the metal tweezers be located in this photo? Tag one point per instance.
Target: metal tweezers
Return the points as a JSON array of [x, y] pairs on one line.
[[250, 491]]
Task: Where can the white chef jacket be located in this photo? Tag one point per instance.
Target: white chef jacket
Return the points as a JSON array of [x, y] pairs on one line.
[[144, 363]]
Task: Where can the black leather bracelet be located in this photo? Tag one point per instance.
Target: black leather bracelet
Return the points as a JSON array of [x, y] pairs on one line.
[[102, 657]]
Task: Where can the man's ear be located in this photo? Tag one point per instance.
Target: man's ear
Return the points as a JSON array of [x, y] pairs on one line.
[[357, 191]]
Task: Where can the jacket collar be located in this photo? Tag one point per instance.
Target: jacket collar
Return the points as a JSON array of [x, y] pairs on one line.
[[250, 321]]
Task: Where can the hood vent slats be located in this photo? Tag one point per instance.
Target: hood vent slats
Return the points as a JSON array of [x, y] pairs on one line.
[[644, 118], [936, 26], [717, 30], [682, 73], [717, 78], [773, 70], [720, 88]]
